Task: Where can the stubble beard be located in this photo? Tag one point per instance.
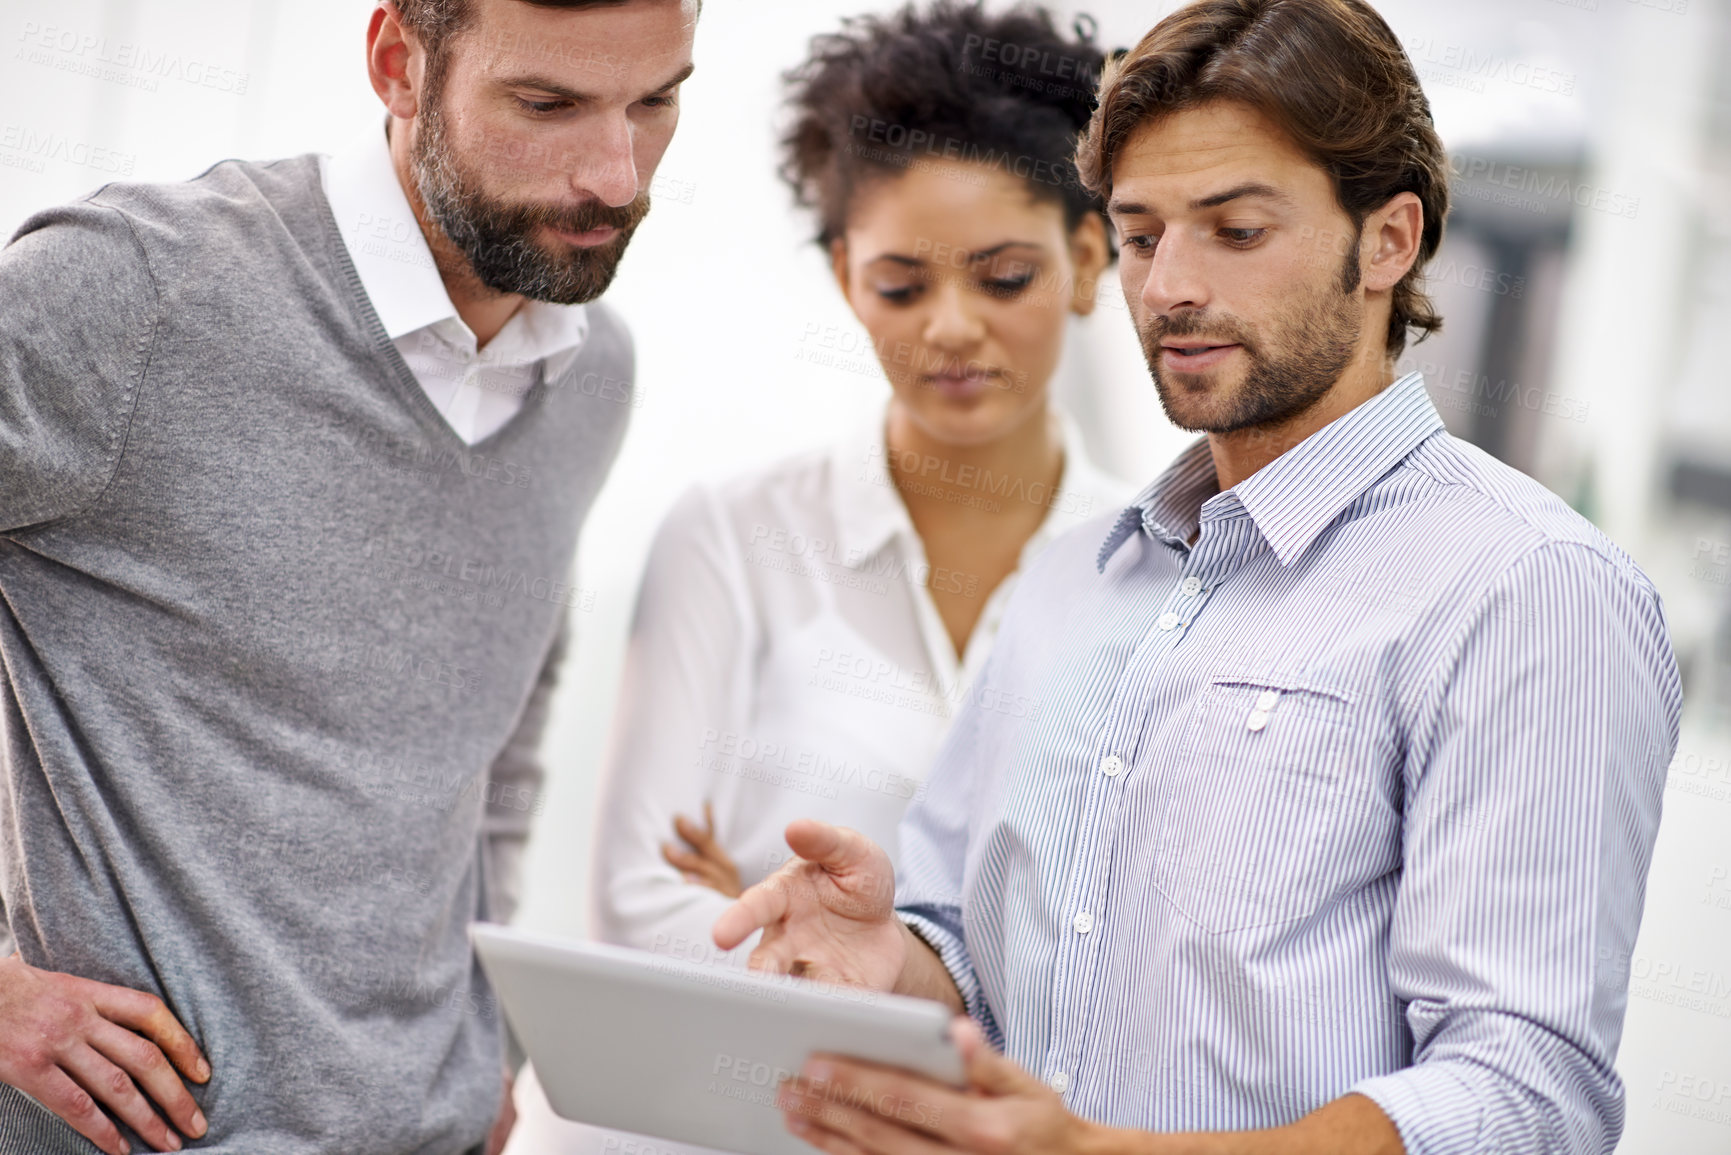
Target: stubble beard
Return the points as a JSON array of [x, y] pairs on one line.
[[1317, 342], [497, 237]]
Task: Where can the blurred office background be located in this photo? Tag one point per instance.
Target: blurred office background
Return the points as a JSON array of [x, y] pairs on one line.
[[1586, 283]]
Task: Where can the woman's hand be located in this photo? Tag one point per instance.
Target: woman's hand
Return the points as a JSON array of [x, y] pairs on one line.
[[705, 863]]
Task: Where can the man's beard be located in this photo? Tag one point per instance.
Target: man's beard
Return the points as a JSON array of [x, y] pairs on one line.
[[497, 237], [1320, 337]]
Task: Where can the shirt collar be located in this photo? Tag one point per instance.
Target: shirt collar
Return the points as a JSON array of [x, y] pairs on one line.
[[1296, 496], [397, 270], [1170, 508], [869, 512]]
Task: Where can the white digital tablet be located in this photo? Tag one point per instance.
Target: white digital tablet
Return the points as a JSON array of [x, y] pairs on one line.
[[678, 1050]]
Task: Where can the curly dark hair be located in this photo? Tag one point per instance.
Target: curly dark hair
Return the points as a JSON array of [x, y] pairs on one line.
[[951, 82]]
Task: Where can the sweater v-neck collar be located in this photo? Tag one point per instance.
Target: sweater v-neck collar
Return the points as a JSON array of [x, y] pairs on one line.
[[397, 371]]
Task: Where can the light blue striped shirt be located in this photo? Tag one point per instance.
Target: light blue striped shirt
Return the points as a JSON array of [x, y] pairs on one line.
[[1355, 793]]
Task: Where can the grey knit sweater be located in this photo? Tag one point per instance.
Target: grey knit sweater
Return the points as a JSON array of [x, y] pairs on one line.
[[275, 646]]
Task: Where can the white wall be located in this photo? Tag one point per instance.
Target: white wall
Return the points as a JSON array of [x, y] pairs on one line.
[[724, 294]]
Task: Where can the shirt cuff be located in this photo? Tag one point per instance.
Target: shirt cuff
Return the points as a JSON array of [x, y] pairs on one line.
[[953, 953], [1435, 1107]]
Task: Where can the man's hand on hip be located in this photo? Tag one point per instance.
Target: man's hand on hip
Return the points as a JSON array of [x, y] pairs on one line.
[[78, 1047]]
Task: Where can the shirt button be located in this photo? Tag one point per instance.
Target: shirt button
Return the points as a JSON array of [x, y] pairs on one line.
[[1191, 587], [1168, 621], [1059, 1082], [1084, 922], [1258, 719], [1112, 766], [1268, 699]]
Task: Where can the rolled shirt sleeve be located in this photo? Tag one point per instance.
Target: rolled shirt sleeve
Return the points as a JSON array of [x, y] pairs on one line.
[[1534, 780]]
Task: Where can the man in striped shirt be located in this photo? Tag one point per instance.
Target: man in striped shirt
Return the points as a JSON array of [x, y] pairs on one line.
[[1331, 828]]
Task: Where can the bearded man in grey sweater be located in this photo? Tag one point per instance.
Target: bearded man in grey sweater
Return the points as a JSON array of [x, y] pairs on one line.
[[293, 461]]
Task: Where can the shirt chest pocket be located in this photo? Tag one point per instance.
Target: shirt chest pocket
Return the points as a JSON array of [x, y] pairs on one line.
[[1247, 803]]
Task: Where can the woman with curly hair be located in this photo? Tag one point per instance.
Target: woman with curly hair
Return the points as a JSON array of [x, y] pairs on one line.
[[804, 633]]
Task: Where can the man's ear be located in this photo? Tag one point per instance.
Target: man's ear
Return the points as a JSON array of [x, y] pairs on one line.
[[395, 62], [1089, 254], [1389, 245]]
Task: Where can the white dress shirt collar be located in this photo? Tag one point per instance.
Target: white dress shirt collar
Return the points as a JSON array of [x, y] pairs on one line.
[[1296, 496], [871, 518]]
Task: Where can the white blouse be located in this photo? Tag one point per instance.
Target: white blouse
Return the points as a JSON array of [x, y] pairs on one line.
[[786, 661]]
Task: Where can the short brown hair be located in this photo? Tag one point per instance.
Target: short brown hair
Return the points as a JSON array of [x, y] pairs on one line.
[[1329, 73], [437, 22]]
